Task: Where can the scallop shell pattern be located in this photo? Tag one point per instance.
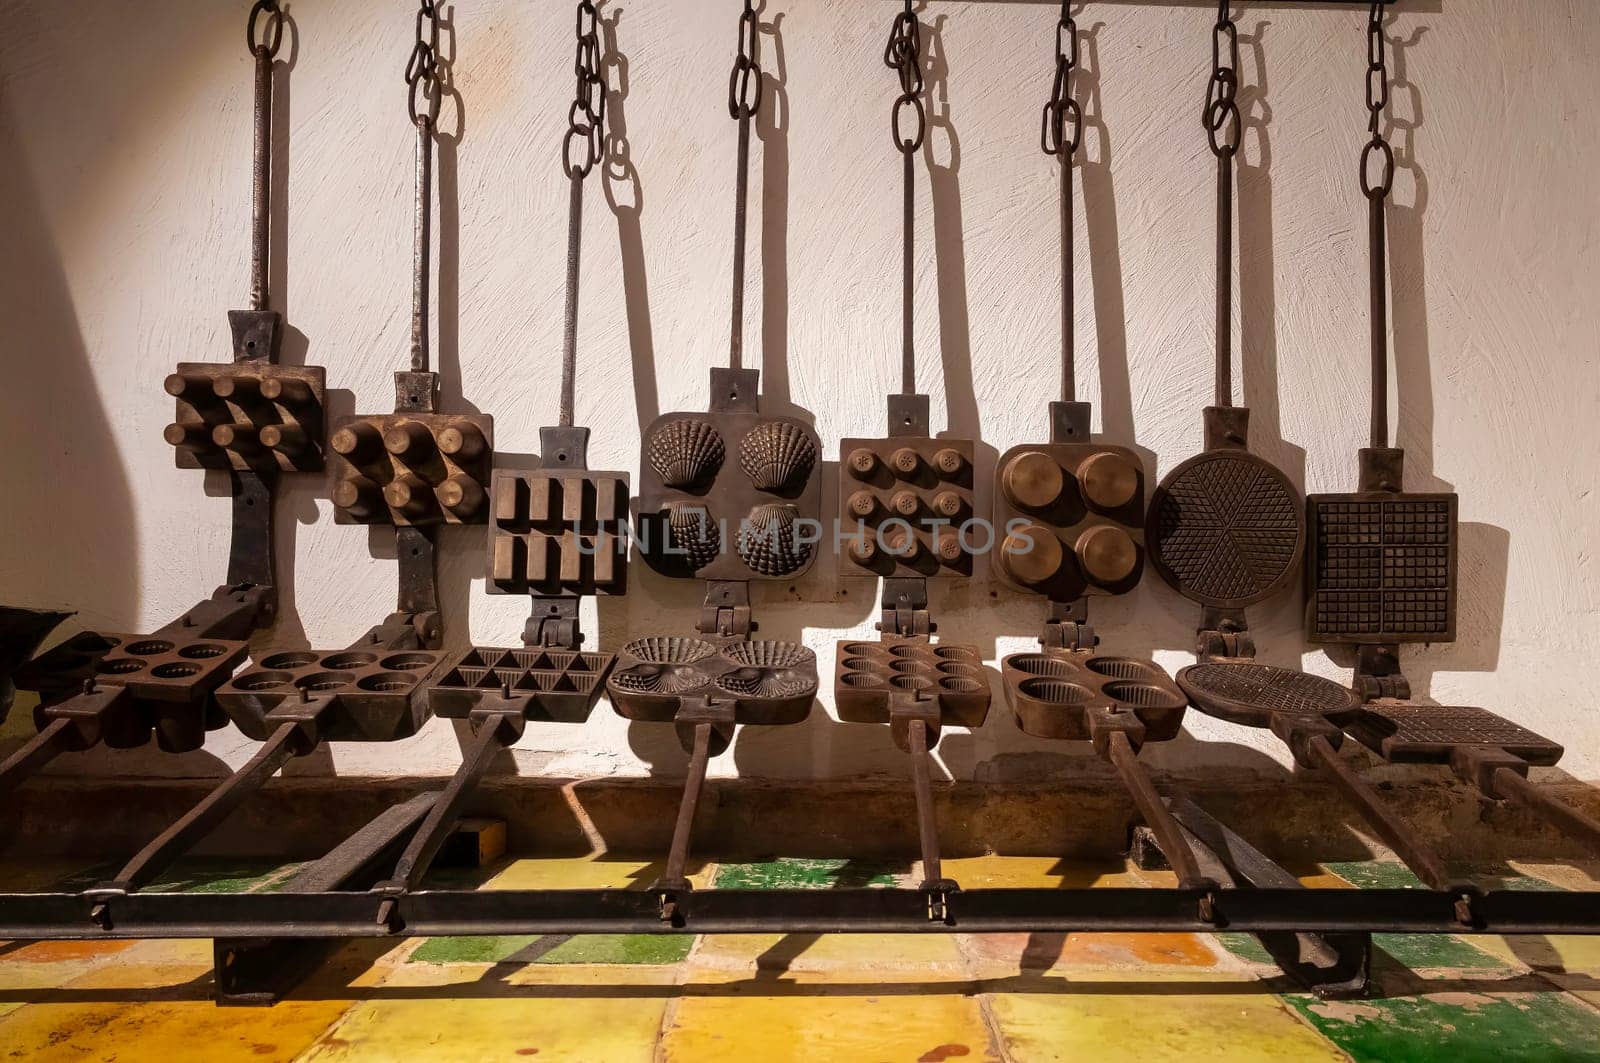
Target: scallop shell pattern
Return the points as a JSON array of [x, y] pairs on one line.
[[767, 541], [685, 453], [693, 533], [760, 683], [669, 649], [775, 455], [651, 680], [768, 653]]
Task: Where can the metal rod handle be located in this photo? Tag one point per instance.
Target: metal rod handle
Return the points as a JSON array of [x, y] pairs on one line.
[[39, 750], [569, 347], [678, 857], [430, 837], [211, 811], [1155, 812], [1395, 832], [1224, 395], [927, 827], [741, 198], [1517, 789], [1380, 322], [422, 247], [261, 184]]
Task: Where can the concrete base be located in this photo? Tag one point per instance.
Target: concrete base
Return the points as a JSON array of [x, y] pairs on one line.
[[1297, 821]]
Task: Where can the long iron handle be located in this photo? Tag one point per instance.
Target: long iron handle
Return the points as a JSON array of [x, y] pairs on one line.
[[1395, 832], [678, 857], [1154, 810], [927, 828], [1517, 789], [446, 810], [40, 750], [210, 812]]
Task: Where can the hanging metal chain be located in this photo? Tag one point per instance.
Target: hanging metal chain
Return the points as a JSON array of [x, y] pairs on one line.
[[1377, 178], [423, 94], [586, 133], [1224, 130], [744, 102], [1061, 132], [263, 39], [903, 54]]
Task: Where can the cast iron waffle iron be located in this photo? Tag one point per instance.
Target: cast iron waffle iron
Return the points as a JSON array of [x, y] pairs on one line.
[[433, 469], [726, 496], [1381, 571], [911, 500], [250, 417], [1226, 530]]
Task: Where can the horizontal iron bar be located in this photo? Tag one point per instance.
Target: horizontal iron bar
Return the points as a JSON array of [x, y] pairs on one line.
[[486, 912]]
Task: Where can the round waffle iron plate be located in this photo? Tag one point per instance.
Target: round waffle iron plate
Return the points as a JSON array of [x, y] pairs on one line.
[[1226, 529], [1252, 694]]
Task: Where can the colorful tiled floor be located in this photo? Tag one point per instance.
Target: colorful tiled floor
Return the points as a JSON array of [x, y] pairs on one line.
[[916, 998]]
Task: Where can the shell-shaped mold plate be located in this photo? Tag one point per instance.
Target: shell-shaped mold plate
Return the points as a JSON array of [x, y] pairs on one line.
[[769, 543], [776, 454], [686, 452]]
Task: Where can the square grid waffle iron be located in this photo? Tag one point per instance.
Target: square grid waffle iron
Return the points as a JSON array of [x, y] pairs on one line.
[[252, 418], [414, 470]]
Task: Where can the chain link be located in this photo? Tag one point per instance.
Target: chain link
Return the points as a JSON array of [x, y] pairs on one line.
[[271, 38], [903, 54], [1377, 99], [1224, 126], [422, 69], [1062, 115], [586, 118], [744, 82]]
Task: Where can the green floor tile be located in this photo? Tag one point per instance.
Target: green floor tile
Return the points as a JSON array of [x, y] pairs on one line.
[[802, 874], [640, 949], [1458, 1027], [1412, 950], [219, 876]]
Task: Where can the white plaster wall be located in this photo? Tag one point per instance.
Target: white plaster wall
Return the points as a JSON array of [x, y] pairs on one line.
[[126, 152]]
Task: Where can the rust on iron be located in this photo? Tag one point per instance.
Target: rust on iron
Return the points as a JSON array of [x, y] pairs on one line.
[[548, 686], [765, 682], [412, 468], [361, 695], [871, 677], [904, 500], [1074, 695], [558, 531]]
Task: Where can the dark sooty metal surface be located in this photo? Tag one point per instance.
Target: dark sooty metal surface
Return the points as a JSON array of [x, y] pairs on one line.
[[1226, 529], [1253, 693], [1382, 568], [1429, 734]]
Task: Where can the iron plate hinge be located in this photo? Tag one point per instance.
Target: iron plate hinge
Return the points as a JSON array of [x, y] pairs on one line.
[[1378, 674], [905, 609], [1068, 627], [1224, 634], [726, 612], [553, 624]]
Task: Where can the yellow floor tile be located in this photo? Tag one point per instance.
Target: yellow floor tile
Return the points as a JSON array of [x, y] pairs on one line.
[[931, 954], [1577, 875], [158, 1014], [1569, 954], [820, 1024], [1009, 953], [1038, 872], [24, 983], [587, 873], [64, 951], [1182, 1020], [451, 1029]]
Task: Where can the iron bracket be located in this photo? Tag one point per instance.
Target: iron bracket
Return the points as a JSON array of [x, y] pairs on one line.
[[1069, 422], [909, 416], [255, 335], [905, 609], [1224, 634], [1378, 674], [415, 392], [553, 624], [726, 611], [419, 591], [735, 390], [1068, 627]]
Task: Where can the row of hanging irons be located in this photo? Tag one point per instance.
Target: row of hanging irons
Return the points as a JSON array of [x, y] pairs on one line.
[[1225, 529]]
